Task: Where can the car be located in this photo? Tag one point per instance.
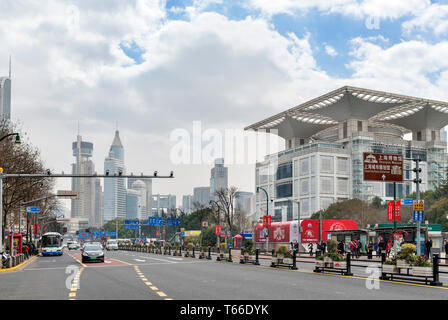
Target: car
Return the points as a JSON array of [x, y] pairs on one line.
[[73, 245], [112, 244], [92, 252]]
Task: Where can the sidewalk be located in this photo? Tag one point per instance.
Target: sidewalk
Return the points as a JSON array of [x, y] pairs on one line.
[[19, 265]]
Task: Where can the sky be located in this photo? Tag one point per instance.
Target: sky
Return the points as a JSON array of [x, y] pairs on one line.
[[175, 75]]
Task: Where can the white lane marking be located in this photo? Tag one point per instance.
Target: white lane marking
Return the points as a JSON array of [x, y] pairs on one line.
[[138, 260], [162, 260]]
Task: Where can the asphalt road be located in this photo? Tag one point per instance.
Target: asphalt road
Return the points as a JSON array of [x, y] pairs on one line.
[[142, 276]]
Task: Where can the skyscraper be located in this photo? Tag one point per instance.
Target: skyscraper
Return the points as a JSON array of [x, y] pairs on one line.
[[84, 207], [5, 95], [218, 178], [148, 183], [201, 197], [114, 196]]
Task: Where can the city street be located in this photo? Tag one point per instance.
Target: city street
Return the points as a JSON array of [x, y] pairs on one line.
[[141, 276]]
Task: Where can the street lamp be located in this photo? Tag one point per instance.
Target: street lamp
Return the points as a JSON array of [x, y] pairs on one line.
[[219, 208], [267, 212], [17, 141]]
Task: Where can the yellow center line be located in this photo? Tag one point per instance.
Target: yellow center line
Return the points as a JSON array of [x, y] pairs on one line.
[[149, 284], [154, 288], [160, 293]]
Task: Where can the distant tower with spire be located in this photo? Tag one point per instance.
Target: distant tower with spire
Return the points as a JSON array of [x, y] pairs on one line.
[[114, 195], [5, 95]]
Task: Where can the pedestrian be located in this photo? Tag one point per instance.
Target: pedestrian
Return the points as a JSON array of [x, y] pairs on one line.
[[446, 248], [369, 250], [428, 247], [323, 246], [352, 248], [341, 247], [310, 248], [25, 251], [359, 248]]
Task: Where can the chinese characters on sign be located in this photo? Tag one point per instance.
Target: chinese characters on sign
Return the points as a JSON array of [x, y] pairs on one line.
[[383, 167], [390, 211]]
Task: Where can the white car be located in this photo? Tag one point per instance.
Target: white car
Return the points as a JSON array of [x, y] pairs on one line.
[[73, 245], [112, 245]]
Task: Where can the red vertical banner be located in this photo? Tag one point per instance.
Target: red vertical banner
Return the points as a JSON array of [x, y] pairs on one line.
[[157, 234], [390, 211], [268, 221], [264, 221], [397, 210], [218, 229]]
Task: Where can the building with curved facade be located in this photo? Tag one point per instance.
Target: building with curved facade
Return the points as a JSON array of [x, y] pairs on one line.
[[324, 143]]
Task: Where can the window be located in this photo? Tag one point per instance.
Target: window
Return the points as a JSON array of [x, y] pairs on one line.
[[313, 185], [342, 186], [359, 125], [284, 190], [313, 164], [296, 168], [302, 142], [326, 164], [304, 206], [284, 171], [264, 175], [342, 165], [419, 136], [325, 203], [304, 187], [344, 129], [433, 135], [326, 185], [304, 166]]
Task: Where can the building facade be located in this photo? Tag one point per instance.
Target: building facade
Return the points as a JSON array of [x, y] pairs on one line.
[[201, 197], [163, 204], [187, 204], [114, 195], [84, 207], [325, 139], [218, 178], [148, 188]]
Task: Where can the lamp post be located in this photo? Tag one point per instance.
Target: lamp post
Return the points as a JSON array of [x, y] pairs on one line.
[[219, 222], [267, 212], [12, 134]]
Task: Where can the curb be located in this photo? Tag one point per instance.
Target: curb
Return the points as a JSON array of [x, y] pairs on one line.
[[18, 266]]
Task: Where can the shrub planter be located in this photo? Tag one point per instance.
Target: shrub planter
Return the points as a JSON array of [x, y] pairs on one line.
[[201, 255], [287, 260], [340, 264], [389, 268], [319, 263], [403, 264], [328, 262], [422, 271]]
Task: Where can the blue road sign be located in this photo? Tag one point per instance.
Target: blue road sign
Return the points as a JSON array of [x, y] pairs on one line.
[[155, 221], [132, 222], [407, 202], [418, 216], [113, 234], [131, 227], [33, 209]]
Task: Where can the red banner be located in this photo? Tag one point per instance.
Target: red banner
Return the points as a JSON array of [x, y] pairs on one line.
[[390, 210], [267, 221], [157, 234], [217, 229]]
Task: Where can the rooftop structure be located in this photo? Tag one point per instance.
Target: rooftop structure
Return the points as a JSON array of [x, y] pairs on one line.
[[326, 137]]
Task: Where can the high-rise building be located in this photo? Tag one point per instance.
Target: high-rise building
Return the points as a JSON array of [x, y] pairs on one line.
[[201, 197], [325, 139], [243, 202], [140, 187], [187, 203], [5, 95], [148, 185], [162, 203], [133, 199], [84, 207], [218, 178], [114, 195], [98, 216]]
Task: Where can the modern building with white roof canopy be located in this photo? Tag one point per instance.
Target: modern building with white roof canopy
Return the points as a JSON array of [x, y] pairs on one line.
[[324, 142]]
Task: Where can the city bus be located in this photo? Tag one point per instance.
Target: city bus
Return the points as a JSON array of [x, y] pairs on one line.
[[51, 244]]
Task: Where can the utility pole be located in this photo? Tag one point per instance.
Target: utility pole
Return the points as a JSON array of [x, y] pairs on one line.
[[417, 182]]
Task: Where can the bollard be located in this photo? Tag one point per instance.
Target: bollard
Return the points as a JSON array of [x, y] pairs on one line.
[[294, 262], [435, 270], [180, 250], [193, 253], [348, 272], [230, 255], [257, 253], [169, 250], [209, 257]]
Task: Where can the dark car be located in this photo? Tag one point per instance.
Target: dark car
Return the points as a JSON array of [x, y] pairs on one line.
[[92, 252]]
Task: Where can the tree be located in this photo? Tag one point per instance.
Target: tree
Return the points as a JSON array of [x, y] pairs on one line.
[[226, 198], [23, 158]]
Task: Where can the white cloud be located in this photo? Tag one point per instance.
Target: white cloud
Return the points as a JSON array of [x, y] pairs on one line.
[[330, 51], [434, 19], [355, 8]]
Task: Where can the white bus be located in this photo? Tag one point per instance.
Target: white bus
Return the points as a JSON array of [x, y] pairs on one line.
[[51, 244]]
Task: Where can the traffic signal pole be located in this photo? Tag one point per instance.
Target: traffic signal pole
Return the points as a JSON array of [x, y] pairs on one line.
[[417, 182]]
